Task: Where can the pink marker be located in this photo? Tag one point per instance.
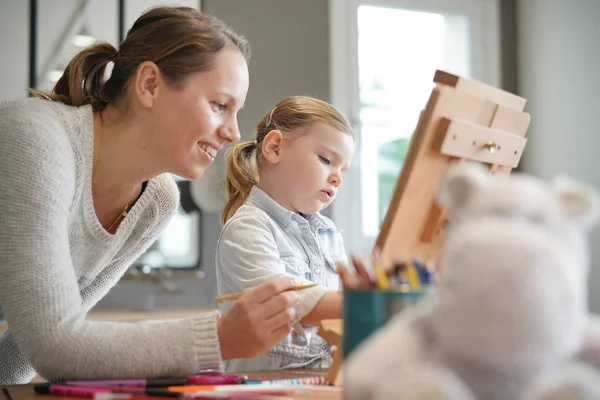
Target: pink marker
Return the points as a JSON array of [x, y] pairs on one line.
[[141, 383], [203, 378], [68, 391], [215, 378]]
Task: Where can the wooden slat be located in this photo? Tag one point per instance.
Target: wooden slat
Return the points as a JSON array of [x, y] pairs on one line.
[[478, 143], [508, 120], [480, 90]]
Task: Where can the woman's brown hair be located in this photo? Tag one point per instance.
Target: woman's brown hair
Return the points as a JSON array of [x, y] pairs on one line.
[[288, 116], [179, 40]]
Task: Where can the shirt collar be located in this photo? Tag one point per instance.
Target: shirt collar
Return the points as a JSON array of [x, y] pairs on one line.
[[284, 216]]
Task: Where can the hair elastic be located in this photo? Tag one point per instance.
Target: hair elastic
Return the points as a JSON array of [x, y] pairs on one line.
[[270, 117]]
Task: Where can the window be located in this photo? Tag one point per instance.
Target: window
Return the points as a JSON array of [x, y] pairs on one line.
[[179, 246], [384, 55]]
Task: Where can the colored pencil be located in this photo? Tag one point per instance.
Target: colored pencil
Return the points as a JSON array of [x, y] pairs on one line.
[[237, 295]]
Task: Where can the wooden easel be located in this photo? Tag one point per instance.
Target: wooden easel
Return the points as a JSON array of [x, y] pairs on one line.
[[463, 119]]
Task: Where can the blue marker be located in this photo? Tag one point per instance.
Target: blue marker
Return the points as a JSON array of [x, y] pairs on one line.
[[423, 271]]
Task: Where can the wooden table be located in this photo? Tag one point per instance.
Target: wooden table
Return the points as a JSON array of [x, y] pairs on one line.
[[25, 392]]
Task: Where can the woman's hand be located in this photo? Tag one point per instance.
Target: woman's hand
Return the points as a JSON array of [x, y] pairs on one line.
[[258, 320], [334, 350]]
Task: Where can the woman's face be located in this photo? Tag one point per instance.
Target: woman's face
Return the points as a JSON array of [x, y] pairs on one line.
[[190, 124]]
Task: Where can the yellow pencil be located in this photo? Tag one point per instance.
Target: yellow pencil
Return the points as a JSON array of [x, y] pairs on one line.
[[236, 295], [383, 283], [413, 276]]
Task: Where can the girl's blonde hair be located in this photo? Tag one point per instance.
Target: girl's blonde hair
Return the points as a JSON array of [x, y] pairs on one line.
[[288, 116]]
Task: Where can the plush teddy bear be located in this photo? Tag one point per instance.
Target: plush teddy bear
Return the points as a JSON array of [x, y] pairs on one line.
[[510, 320]]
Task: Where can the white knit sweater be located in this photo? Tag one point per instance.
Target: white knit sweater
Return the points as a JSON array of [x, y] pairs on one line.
[[56, 260]]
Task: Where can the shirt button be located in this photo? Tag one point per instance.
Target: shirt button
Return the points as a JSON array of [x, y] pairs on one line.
[[304, 230], [317, 271]]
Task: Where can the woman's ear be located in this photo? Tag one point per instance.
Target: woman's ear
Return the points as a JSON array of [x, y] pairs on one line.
[[271, 146], [146, 83]]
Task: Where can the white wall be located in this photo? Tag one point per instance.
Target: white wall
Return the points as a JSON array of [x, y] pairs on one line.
[[53, 18], [558, 72], [134, 8], [14, 42], [55, 21]]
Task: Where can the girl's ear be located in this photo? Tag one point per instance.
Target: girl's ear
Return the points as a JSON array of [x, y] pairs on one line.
[[271, 146]]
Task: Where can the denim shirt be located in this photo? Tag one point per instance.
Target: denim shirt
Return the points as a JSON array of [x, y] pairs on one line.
[[263, 240]]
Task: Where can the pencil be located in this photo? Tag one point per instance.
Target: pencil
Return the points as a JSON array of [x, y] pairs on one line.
[[413, 276], [236, 295], [382, 280]]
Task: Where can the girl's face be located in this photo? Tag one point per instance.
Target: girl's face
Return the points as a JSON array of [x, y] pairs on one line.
[[310, 168]]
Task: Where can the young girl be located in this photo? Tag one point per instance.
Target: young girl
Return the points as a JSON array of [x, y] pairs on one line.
[[276, 187]]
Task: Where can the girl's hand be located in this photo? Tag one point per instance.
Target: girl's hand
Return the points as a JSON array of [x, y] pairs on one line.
[[258, 320], [361, 273]]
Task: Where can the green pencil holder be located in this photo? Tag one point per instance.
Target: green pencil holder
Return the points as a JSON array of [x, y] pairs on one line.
[[365, 311]]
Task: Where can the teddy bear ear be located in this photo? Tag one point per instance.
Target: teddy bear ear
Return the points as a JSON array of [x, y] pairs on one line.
[[460, 181], [580, 202]]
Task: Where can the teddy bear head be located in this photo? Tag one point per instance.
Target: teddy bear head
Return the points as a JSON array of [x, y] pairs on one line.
[[513, 268]]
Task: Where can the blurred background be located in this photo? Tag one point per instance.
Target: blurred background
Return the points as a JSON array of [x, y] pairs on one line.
[[375, 60]]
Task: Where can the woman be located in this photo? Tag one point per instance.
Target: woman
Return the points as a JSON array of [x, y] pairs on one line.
[[85, 192]]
